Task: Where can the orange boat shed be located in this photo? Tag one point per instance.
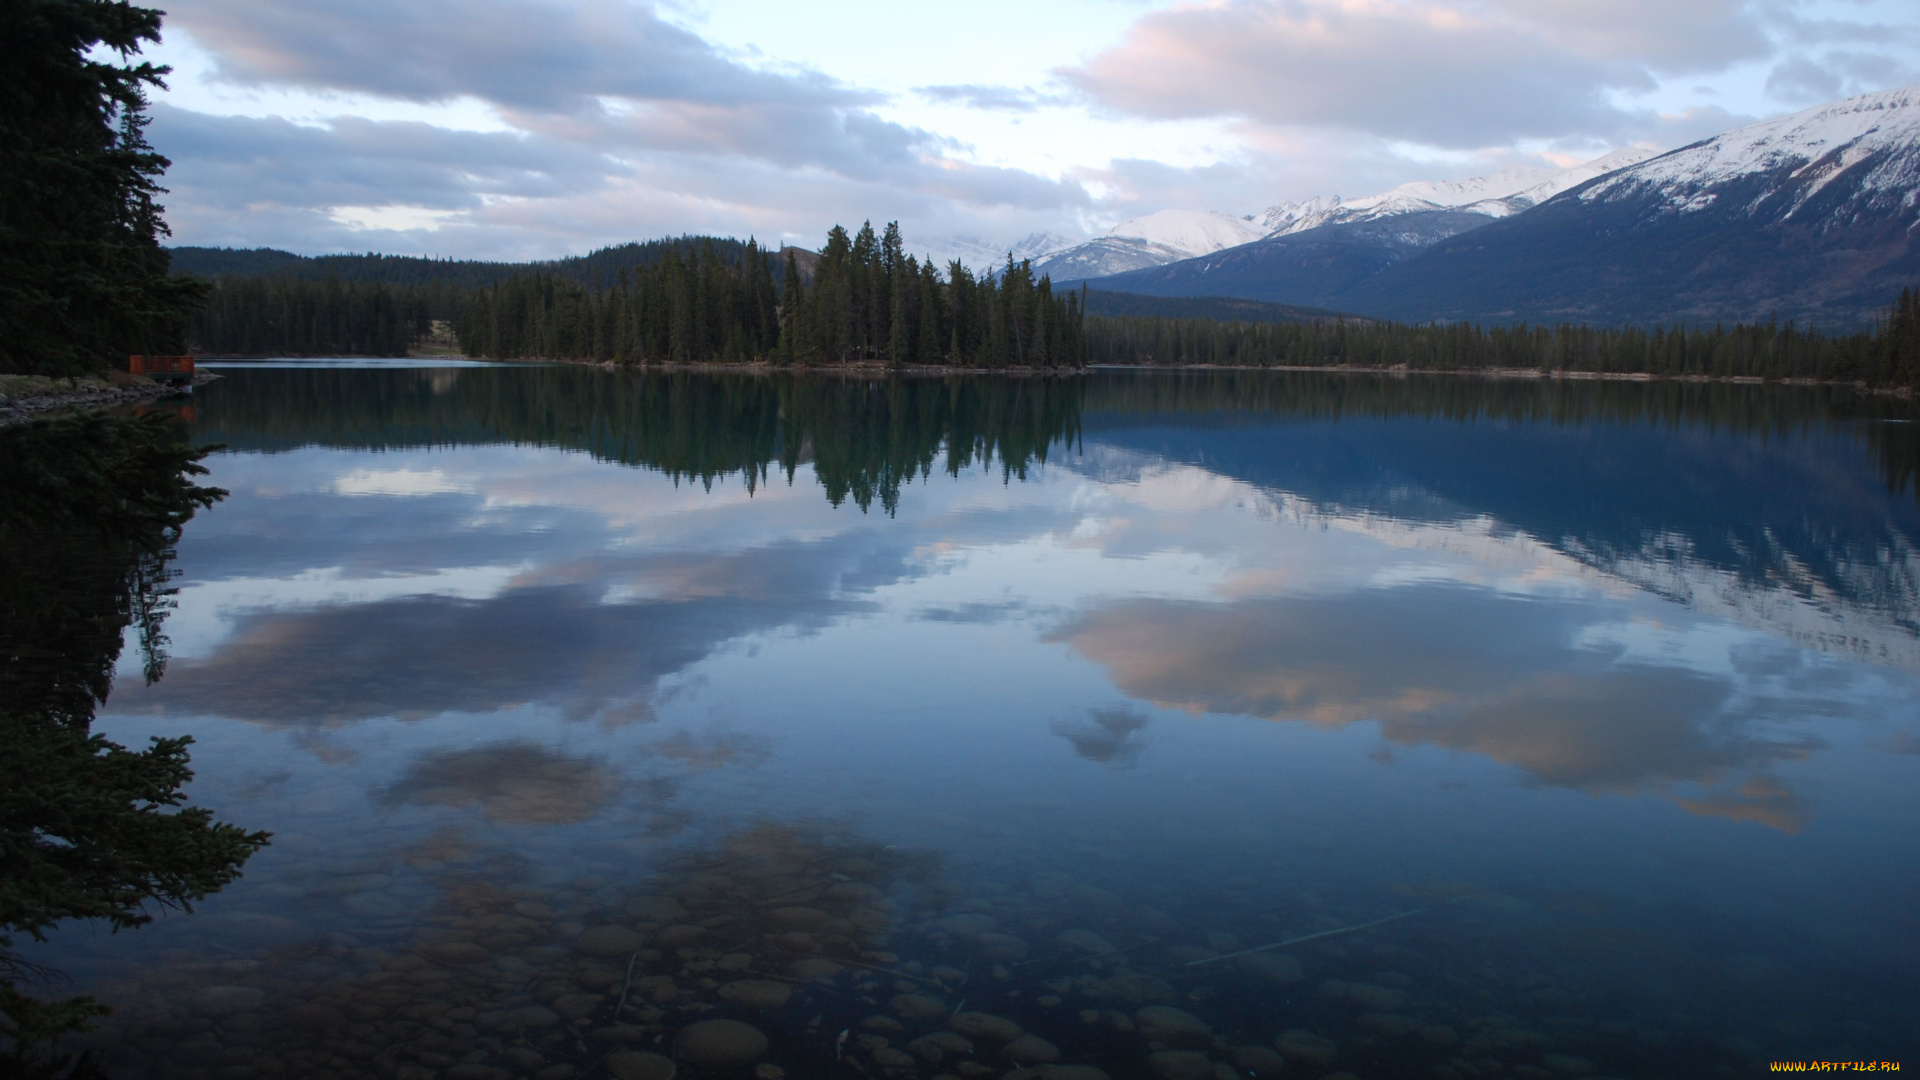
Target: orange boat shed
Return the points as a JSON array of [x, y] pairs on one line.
[[162, 368]]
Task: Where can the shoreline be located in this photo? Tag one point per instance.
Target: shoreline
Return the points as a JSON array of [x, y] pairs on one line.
[[90, 394], [1520, 373], [866, 370]]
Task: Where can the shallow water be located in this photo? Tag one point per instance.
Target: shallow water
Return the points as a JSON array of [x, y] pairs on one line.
[[585, 707]]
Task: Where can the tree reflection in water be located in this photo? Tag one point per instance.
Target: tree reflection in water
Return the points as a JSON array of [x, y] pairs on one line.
[[90, 508]]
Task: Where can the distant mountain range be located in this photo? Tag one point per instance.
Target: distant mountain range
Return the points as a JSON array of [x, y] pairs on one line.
[[1814, 216]]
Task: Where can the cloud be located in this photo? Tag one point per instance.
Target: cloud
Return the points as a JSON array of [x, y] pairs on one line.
[[551, 640], [1467, 671], [1460, 74], [515, 782], [619, 125], [1108, 736], [553, 56], [974, 96]]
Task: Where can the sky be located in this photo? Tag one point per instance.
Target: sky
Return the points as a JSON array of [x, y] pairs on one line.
[[527, 129]]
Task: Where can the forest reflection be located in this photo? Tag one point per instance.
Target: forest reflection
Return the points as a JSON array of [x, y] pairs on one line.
[[1650, 481]]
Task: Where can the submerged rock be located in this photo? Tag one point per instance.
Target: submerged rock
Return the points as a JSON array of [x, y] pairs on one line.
[[456, 952], [756, 993], [814, 967], [607, 941], [1088, 942], [919, 1007], [968, 925], [721, 1044], [1059, 1072], [1180, 1065], [1276, 967], [986, 1026], [640, 1065], [1258, 1060], [680, 936], [1031, 1050], [1168, 1024], [1306, 1047], [659, 909]]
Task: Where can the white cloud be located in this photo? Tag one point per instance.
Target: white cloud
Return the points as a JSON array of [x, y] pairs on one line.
[[524, 128]]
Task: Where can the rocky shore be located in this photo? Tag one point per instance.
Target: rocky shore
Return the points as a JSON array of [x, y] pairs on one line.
[[23, 397]]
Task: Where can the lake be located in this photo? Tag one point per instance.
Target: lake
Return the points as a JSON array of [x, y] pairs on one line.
[[1172, 725]]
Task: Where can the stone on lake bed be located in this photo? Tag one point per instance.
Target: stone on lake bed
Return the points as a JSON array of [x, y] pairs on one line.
[[986, 1025], [622, 1033], [658, 909], [814, 967], [1059, 1072], [798, 918], [223, 1000], [640, 1065], [734, 961], [530, 1016], [1088, 942], [856, 891], [1031, 1050], [1259, 1060], [1180, 1065], [576, 1006], [1273, 966], [968, 925], [919, 1006], [721, 1044], [679, 936], [1168, 1024], [1366, 995], [756, 993], [608, 941], [1001, 946], [1305, 1046]]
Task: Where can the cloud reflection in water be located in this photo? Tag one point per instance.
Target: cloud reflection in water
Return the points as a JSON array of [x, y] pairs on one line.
[[1467, 669]]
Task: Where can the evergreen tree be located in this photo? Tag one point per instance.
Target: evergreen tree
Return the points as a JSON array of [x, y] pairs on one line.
[[83, 278]]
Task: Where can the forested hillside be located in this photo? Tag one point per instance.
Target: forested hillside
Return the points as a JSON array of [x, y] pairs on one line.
[[868, 302], [688, 301], [375, 269], [1887, 356]]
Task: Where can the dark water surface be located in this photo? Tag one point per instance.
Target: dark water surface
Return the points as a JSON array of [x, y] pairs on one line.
[[937, 727]]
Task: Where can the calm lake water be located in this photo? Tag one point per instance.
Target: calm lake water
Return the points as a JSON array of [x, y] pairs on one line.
[[944, 726]]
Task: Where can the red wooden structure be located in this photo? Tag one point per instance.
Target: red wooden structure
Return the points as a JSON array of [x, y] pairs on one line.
[[162, 368]]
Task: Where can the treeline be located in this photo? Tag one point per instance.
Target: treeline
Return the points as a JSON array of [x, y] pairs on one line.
[[863, 439], [292, 317], [1887, 356], [865, 302], [376, 269]]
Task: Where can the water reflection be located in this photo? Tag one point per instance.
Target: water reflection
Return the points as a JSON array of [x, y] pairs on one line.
[[1525, 682], [981, 721]]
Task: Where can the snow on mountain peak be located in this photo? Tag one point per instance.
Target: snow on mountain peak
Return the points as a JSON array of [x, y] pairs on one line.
[[1508, 191], [1189, 232], [1828, 139]]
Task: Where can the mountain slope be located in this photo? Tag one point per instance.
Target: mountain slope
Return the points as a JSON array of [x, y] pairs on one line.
[[1320, 249], [1153, 240], [1497, 195], [1311, 267], [1813, 216]]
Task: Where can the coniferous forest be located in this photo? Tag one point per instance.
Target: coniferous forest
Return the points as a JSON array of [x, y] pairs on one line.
[[865, 302]]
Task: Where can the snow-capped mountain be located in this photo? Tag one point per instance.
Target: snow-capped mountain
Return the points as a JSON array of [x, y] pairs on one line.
[[1497, 195], [983, 256], [1866, 145], [1814, 216], [1316, 250], [1153, 240]]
